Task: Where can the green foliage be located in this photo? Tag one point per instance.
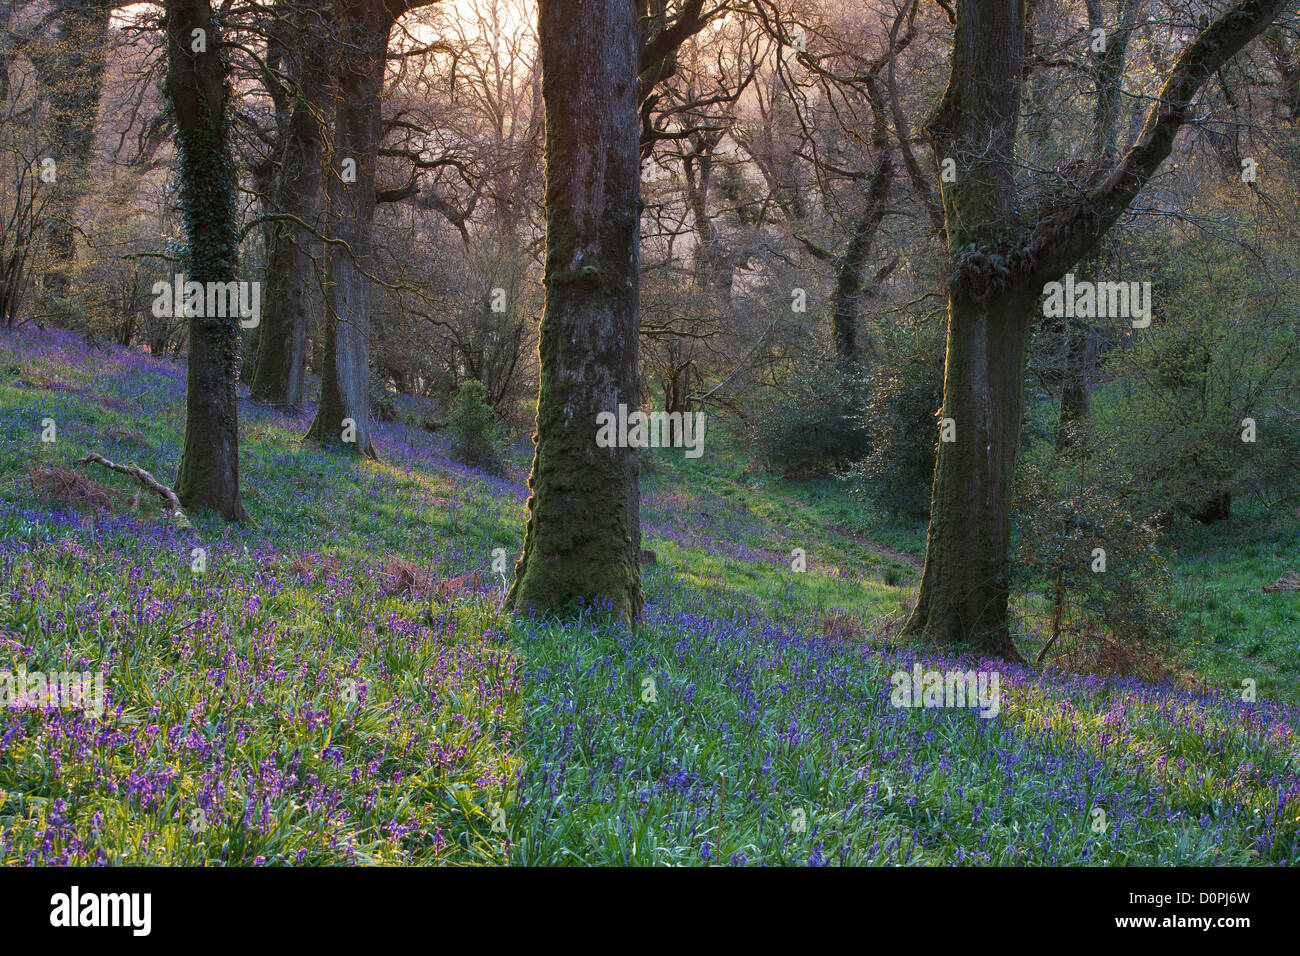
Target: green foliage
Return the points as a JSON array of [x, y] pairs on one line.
[[815, 428], [1232, 628], [476, 438], [1226, 349], [904, 390], [1109, 589]]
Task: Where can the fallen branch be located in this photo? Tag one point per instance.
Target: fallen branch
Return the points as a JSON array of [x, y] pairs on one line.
[[146, 479], [1290, 581]]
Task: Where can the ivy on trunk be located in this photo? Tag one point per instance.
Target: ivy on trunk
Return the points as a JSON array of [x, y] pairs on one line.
[[198, 89]]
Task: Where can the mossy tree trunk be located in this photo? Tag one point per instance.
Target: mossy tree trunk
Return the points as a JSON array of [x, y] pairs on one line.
[[290, 268], [1000, 261], [197, 86], [965, 583], [583, 537]]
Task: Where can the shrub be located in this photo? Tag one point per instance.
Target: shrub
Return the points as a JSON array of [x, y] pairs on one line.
[[1109, 609], [1226, 349], [815, 429], [476, 438], [901, 432]]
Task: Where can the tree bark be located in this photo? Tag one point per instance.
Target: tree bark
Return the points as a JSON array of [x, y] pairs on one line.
[[582, 542], [345, 376], [999, 268], [290, 269], [965, 583], [197, 85]]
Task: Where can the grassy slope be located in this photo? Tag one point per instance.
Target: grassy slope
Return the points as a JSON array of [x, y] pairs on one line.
[[1233, 630], [312, 717]]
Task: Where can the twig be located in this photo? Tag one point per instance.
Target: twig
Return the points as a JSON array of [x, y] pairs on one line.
[[146, 479]]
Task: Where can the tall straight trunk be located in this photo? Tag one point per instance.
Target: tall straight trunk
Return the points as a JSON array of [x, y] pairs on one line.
[[290, 269], [582, 542], [343, 415], [965, 585], [197, 85]]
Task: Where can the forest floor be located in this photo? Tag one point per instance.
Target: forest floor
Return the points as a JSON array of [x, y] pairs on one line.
[[335, 682]]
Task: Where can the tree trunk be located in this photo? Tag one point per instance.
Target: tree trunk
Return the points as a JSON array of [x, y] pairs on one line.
[[582, 543], [999, 267], [282, 340], [852, 284], [965, 583], [198, 88], [343, 415], [1079, 359], [713, 270]]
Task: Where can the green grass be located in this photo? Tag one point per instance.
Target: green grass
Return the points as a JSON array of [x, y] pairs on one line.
[[1232, 629], [316, 713]]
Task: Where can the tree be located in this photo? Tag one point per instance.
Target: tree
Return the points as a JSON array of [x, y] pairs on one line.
[[298, 42], [70, 67], [1001, 256], [198, 89], [361, 43], [343, 414], [583, 537]]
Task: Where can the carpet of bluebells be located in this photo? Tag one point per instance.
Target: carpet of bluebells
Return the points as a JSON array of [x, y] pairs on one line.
[[307, 698]]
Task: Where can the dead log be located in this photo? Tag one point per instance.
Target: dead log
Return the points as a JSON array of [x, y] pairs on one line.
[[146, 479]]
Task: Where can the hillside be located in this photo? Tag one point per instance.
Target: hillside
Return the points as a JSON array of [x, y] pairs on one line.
[[337, 684]]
